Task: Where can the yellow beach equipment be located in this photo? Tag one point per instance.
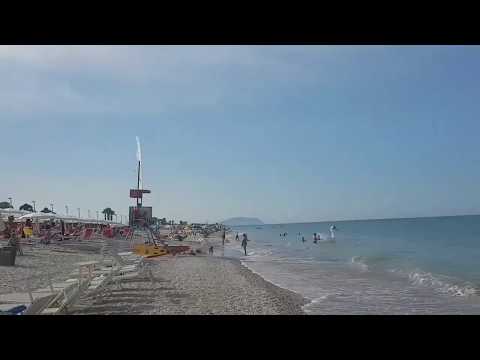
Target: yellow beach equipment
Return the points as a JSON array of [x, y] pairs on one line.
[[149, 250], [27, 231]]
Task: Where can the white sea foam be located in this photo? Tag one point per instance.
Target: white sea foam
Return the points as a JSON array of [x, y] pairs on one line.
[[441, 284], [359, 261]]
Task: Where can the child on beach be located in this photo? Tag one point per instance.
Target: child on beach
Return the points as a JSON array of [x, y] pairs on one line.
[[210, 250]]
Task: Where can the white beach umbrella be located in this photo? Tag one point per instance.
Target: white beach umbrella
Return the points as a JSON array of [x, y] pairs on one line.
[[39, 216], [12, 212]]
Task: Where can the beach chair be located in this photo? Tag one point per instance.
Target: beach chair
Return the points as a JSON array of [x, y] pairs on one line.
[[47, 237], [128, 234], [127, 258], [87, 234], [38, 300], [67, 294], [129, 266], [108, 233], [39, 305]]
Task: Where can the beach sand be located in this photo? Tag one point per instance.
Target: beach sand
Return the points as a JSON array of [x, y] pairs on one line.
[[170, 285], [33, 269], [193, 285]]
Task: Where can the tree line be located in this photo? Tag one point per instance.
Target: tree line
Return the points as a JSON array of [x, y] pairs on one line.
[[107, 212]]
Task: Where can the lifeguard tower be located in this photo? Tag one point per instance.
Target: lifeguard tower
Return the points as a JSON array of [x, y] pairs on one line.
[[140, 217]]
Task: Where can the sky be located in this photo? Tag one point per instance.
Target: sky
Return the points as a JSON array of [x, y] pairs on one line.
[[282, 133]]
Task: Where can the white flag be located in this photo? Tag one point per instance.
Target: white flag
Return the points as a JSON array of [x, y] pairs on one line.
[[139, 158], [139, 150]]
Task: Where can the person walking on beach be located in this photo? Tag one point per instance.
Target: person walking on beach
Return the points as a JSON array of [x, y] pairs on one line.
[[315, 238], [12, 233], [62, 227], [244, 243], [223, 238], [236, 237], [2, 227]]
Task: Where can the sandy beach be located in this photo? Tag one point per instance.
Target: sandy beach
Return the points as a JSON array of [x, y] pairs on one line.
[[38, 264], [193, 285], [168, 285]]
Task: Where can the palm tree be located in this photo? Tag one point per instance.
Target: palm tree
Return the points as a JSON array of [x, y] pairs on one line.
[[108, 213], [26, 207], [5, 205]]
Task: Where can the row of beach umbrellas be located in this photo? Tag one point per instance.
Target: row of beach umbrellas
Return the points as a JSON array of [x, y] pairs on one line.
[[68, 219]]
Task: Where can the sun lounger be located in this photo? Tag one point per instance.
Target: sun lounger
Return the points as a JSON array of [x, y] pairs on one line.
[[87, 234], [129, 264], [39, 305], [39, 299], [67, 292]]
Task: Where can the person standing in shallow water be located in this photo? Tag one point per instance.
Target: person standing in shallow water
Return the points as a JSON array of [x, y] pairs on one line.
[[244, 243]]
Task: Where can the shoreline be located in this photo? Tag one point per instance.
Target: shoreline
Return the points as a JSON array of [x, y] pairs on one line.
[[169, 285], [305, 300], [297, 298]]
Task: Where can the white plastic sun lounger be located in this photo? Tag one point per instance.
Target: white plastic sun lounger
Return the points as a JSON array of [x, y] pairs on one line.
[[68, 293]]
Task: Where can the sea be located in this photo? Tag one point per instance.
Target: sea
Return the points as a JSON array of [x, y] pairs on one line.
[[388, 266]]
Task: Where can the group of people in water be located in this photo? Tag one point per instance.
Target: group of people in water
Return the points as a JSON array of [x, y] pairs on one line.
[[237, 238], [316, 236]]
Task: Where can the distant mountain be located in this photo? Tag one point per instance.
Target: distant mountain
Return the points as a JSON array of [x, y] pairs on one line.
[[238, 221]]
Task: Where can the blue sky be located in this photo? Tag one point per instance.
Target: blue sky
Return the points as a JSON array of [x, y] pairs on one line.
[[283, 133]]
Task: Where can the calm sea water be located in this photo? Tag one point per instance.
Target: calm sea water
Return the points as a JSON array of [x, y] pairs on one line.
[[393, 266]]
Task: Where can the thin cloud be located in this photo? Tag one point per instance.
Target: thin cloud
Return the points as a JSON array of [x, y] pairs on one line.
[[100, 79]]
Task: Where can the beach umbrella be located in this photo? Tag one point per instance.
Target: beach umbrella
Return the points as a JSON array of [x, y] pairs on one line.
[[26, 207], [40, 216], [5, 205], [11, 212]]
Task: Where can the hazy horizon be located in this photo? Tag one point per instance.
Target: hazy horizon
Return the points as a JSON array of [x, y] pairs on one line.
[[282, 133], [371, 219]]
